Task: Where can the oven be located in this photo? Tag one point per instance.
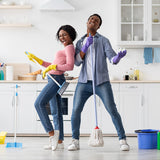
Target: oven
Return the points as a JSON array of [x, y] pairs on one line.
[[66, 104]]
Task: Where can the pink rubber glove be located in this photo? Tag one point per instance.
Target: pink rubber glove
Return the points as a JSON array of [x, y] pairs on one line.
[[120, 55], [87, 44]]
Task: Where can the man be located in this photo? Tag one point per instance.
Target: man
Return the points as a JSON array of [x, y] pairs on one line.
[[101, 49]]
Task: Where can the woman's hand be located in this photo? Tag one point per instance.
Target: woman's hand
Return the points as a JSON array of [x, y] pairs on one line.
[[50, 67]]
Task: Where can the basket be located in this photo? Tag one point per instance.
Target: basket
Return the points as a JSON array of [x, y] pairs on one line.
[[147, 139], [27, 77]]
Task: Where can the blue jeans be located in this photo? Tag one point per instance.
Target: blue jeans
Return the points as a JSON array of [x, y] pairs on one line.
[[49, 94], [104, 91]]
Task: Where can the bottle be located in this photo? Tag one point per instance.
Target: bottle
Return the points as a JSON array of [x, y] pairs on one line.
[[155, 16], [136, 72], [158, 140], [131, 74], [1, 74], [126, 76]]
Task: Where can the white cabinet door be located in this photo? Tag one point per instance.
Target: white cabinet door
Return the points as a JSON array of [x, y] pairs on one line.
[[132, 20], [6, 108], [106, 123], [155, 17], [139, 22], [26, 110], [88, 116], [152, 94], [132, 106]]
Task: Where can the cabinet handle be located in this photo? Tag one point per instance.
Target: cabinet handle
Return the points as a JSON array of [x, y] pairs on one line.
[[145, 35], [13, 101], [142, 99], [132, 87]]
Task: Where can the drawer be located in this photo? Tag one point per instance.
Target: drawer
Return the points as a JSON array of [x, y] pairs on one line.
[[131, 86], [5, 87], [115, 86]]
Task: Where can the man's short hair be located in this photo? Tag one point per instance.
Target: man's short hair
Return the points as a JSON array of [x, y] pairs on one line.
[[97, 16]]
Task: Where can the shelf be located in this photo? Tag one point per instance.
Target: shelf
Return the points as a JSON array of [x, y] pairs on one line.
[[124, 23], [156, 5], [15, 25], [15, 6], [138, 44], [158, 23], [134, 5]]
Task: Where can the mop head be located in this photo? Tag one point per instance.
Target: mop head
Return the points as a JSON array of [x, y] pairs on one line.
[[96, 138], [63, 88]]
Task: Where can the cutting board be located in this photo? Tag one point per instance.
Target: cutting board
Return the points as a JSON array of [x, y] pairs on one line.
[[19, 69]]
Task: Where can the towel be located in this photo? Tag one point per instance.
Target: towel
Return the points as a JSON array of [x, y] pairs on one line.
[[156, 58], [148, 58]]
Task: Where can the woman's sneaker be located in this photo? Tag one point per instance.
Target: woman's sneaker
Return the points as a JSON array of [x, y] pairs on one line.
[[123, 145], [53, 140], [49, 146], [74, 145]]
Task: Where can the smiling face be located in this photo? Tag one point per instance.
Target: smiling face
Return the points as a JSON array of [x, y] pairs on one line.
[[65, 38], [93, 23]]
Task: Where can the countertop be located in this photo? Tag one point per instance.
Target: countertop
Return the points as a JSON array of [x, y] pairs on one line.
[[75, 81]]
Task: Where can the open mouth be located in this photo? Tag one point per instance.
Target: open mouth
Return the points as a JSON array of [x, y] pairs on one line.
[[92, 24]]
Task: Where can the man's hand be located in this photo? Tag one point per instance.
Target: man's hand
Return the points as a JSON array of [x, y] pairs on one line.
[[87, 44], [120, 55]]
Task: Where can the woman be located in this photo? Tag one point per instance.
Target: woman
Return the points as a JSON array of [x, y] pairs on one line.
[[64, 61]]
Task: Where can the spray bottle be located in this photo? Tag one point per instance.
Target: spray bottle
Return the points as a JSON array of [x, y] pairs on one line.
[[1, 72]]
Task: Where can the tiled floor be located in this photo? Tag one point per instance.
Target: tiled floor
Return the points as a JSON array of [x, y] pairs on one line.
[[33, 150]]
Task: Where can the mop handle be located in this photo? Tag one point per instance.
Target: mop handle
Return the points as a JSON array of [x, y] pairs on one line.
[[15, 112], [93, 85], [46, 73]]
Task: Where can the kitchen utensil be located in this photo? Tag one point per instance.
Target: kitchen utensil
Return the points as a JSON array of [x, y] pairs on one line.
[[15, 144], [96, 137]]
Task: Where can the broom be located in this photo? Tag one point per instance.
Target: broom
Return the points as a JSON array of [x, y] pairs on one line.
[[15, 144], [96, 137], [62, 87]]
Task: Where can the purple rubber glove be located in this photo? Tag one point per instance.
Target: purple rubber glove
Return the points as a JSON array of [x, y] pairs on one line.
[[87, 44], [120, 55]]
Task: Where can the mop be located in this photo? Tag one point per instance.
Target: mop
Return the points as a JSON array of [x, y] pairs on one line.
[[96, 137], [15, 144], [62, 87]]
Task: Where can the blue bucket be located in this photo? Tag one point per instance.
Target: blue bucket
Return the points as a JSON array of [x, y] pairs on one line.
[[147, 138]]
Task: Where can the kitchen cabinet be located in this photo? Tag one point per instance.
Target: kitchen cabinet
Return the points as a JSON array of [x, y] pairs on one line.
[[138, 104], [106, 123], [6, 107], [132, 106], [139, 23], [11, 21], [152, 92], [25, 108]]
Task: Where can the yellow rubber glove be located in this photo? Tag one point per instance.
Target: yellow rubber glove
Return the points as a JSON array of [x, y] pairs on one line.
[[50, 67], [32, 57]]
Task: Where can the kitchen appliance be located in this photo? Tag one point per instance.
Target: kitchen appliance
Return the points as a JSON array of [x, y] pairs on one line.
[[67, 103], [56, 5]]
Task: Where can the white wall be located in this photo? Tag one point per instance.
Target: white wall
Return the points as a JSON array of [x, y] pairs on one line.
[[40, 39]]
